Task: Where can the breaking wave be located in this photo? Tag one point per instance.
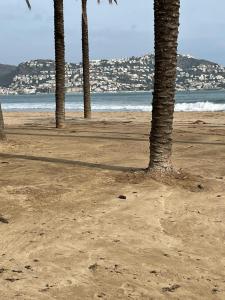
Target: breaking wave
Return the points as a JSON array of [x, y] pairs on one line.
[[104, 107], [200, 106]]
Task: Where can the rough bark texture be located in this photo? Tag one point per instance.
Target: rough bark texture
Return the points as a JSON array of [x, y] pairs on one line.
[[2, 133], [166, 36], [86, 62], [59, 63]]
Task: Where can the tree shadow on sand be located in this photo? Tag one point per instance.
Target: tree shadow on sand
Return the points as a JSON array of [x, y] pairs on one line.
[[100, 137], [69, 162]]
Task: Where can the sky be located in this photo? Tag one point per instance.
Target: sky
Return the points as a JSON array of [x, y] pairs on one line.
[[116, 31]]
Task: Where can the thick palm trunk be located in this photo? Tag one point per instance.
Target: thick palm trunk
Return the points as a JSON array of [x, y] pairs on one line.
[[86, 62], [166, 36], [59, 63], [2, 133]]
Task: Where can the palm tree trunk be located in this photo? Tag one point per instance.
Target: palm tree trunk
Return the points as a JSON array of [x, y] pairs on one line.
[[166, 36], [2, 133], [59, 63], [86, 62]]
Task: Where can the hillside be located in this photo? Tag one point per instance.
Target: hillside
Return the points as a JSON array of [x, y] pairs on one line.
[[128, 74], [7, 72]]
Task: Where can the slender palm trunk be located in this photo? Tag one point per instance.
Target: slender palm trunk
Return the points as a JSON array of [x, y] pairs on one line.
[[86, 62], [166, 36], [2, 133], [59, 63]]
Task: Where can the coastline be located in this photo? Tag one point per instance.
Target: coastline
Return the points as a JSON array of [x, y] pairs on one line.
[[22, 118], [117, 92], [200, 101]]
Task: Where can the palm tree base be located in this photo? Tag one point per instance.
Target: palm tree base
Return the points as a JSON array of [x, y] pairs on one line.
[[170, 176], [162, 172], [61, 126], [161, 168], [88, 116]]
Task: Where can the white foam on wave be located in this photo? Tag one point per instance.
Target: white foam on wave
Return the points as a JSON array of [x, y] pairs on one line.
[[197, 106], [200, 106], [121, 107], [26, 106]]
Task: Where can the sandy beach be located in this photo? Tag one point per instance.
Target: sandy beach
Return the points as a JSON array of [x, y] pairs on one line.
[[65, 232]]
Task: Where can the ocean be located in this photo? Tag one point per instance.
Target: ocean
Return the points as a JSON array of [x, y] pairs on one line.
[[203, 100]]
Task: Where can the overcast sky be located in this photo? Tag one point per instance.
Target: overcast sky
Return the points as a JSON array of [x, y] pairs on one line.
[[115, 31]]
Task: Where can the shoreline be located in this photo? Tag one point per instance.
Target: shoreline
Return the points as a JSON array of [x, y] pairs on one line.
[[20, 118], [192, 101]]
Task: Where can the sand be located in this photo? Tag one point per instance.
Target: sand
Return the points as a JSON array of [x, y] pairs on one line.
[[65, 232]]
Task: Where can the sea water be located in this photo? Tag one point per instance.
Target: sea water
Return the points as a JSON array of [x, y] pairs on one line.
[[203, 100]]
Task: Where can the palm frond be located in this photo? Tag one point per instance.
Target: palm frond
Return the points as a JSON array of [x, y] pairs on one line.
[[28, 4], [110, 1]]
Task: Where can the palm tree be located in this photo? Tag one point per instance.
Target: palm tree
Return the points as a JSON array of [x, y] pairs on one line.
[[166, 36], [86, 60], [2, 132], [59, 63]]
